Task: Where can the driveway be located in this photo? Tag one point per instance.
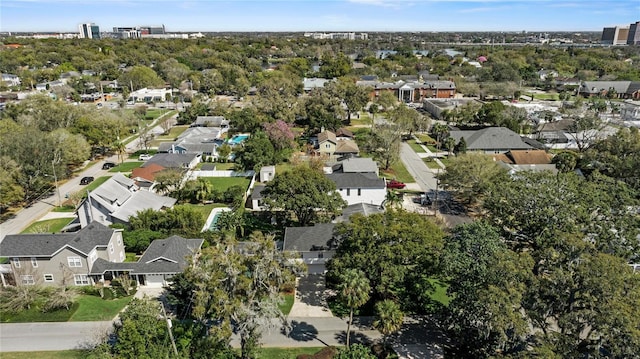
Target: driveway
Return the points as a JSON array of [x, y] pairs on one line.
[[311, 297]]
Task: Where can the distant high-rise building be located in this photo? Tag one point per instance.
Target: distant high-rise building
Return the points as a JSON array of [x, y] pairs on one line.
[[622, 35], [136, 32], [634, 34], [89, 31]]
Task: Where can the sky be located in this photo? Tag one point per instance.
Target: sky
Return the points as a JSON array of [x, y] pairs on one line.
[[320, 15]]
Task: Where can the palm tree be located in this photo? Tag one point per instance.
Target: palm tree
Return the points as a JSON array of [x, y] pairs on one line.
[[390, 318], [450, 143], [440, 131], [119, 147], [353, 291], [394, 199], [204, 189]]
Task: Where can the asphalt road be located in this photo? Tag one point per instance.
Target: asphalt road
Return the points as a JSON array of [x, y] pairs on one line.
[[305, 332], [21, 337], [38, 209], [452, 213]]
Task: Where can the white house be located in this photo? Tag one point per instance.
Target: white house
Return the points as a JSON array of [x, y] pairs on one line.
[[10, 80], [148, 95], [357, 181]]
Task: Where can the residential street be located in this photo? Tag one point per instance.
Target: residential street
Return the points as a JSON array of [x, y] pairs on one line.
[[452, 213], [50, 336], [38, 209]]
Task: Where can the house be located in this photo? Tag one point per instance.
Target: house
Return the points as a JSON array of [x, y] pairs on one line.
[[344, 134], [364, 209], [145, 176], [256, 197], [116, 200], [10, 80], [174, 160], [314, 245], [329, 144], [526, 160], [412, 90], [210, 121], [353, 165], [63, 258], [616, 89], [360, 187], [267, 173], [148, 95], [491, 140], [196, 140], [309, 84], [159, 263], [45, 86]]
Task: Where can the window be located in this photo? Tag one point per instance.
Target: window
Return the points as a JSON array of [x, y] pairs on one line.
[[111, 247], [74, 261], [81, 279], [16, 262], [27, 279], [121, 256], [48, 277], [359, 191], [92, 256], [320, 255], [119, 240], [34, 262], [327, 145], [348, 191]]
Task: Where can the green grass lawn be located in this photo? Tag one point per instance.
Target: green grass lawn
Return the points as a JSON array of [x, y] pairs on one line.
[[135, 155], [97, 182], [220, 166], [92, 308], [62, 354], [174, 132], [545, 96], [416, 147], [34, 314], [285, 307], [440, 294], [65, 208], [399, 172], [205, 209], [431, 163], [155, 113], [126, 166], [48, 226], [130, 257], [223, 183]]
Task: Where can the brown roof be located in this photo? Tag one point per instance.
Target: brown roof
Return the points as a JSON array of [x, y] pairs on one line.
[[326, 136], [148, 172], [343, 132], [561, 125], [525, 157], [347, 146]]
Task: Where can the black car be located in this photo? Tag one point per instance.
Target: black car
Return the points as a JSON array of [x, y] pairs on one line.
[[86, 180], [108, 165]]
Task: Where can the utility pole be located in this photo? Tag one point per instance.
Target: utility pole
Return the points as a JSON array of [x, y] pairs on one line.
[[169, 325], [56, 159]]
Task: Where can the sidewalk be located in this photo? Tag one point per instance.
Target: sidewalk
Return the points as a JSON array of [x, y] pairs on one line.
[[428, 153]]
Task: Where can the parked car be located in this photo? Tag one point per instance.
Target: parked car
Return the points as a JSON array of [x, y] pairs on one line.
[[144, 157], [108, 165], [86, 180], [395, 184]]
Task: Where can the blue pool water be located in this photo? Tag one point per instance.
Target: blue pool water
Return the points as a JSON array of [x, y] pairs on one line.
[[237, 139], [212, 225]]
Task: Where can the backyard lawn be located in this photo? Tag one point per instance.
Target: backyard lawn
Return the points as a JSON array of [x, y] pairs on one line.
[[174, 132], [285, 353], [223, 183], [48, 226], [126, 166]]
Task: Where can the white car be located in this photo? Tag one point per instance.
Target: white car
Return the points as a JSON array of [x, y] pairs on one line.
[[144, 157]]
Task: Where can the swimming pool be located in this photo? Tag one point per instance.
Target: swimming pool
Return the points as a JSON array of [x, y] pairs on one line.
[[210, 224], [237, 139]]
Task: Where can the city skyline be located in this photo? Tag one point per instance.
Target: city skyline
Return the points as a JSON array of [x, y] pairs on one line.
[[325, 15]]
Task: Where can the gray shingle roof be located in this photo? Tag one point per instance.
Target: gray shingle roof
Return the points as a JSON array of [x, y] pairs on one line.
[[362, 208], [356, 180], [257, 191], [305, 239], [594, 87], [171, 160], [491, 138], [163, 256], [46, 245], [359, 164]]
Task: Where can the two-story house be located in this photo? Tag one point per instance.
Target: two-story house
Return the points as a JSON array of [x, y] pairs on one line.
[[329, 144], [357, 181], [64, 258]]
